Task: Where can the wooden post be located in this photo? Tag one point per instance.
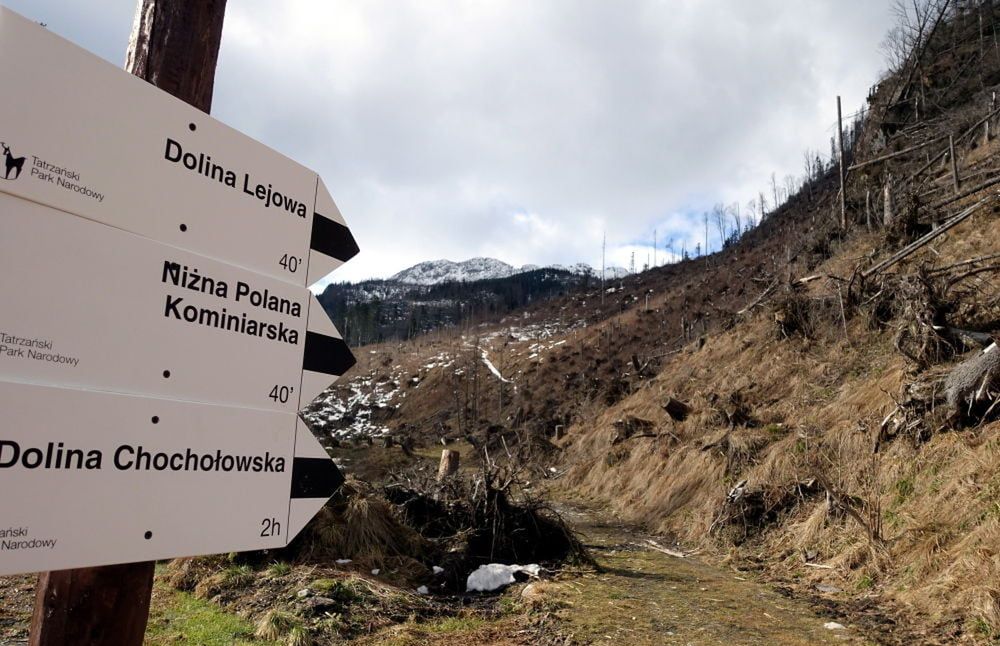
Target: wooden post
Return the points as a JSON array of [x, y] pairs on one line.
[[449, 464], [92, 606], [175, 46], [840, 145], [888, 206], [954, 163], [868, 209]]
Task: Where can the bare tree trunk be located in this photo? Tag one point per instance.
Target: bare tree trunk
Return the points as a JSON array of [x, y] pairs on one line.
[[868, 209], [954, 163], [840, 145], [889, 207], [449, 464]]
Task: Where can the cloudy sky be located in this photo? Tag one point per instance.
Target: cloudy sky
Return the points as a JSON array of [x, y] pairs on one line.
[[527, 129]]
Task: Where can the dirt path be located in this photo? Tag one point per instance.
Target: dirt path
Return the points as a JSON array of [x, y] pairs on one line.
[[644, 596]]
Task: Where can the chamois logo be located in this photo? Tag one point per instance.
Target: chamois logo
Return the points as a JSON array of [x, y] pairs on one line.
[[12, 163]]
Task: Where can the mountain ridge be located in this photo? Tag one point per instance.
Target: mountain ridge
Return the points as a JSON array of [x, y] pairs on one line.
[[435, 272]]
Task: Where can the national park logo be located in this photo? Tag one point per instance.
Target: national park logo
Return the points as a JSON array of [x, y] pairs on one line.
[[13, 165]]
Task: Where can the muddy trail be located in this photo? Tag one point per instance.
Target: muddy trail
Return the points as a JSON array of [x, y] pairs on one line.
[[637, 594], [645, 596]]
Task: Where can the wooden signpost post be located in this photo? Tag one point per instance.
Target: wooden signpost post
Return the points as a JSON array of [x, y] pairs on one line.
[[158, 336]]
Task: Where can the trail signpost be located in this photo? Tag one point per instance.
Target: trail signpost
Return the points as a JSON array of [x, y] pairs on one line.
[[157, 334], [90, 306], [85, 137], [94, 478]]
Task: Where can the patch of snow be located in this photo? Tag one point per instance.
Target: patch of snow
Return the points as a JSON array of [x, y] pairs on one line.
[[437, 570], [497, 575], [493, 369], [422, 590], [833, 625], [343, 561], [375, 572]]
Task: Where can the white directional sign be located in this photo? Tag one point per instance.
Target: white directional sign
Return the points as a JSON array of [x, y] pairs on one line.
[[81, 135], [157, 334], [91, 306], [97, 478]]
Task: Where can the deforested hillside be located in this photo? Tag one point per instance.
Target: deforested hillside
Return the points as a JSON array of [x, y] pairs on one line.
[[419, 301], [817, 402]]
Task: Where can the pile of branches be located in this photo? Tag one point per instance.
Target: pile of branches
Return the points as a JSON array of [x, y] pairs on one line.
[[797, 313], [923, 334], [941, 313], [747, 509], [488, 516]]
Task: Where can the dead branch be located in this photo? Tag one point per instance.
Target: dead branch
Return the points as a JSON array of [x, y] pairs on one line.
[[898, 153], [669, 552], [819, 566], [981, 338], [759, 299], [914, 246], [972, 272], [964, 263], [848, 507], [966, 193]]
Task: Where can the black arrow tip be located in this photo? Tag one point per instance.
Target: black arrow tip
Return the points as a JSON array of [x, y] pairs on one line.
[[327, 354], [332, 238], [315, 478]]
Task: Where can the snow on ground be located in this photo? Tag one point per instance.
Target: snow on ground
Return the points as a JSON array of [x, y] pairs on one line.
[[493, 369], [359, 406], [349, 414], [497, 575]]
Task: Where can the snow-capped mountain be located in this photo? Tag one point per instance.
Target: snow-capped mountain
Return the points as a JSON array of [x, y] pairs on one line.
[[442, 293], [435, 272]]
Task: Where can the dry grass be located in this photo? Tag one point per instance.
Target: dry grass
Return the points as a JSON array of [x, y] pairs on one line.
[[816, 401], [363, 527]]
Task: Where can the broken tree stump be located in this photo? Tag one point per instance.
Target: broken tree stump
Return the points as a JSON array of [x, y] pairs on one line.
[[450, 461], [631, 427], [974, 381], [676, 409]]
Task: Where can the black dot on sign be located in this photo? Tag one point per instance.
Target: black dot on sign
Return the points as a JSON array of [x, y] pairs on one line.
[[192, 127], [148, 535], [166, 374], [156, 419], [184, 227]]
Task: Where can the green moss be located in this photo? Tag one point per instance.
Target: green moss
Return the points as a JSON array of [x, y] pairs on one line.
[[904, 489], [454, 625], [982, 628], [508, 605], [278, 569], [237, 576], [775, 430], [344, 591], [179, 617]]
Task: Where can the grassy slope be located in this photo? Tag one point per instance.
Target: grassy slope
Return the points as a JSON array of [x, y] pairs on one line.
[[939, 500]]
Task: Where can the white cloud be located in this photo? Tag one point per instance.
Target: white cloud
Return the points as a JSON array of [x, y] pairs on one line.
[[525, 130]]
